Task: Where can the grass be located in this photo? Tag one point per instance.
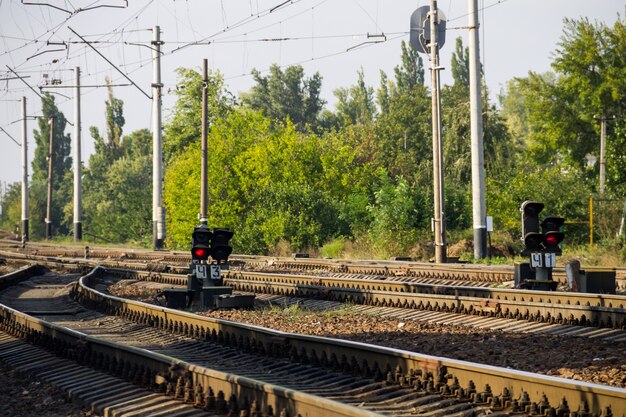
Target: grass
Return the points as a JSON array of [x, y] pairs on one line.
[[295, 311]]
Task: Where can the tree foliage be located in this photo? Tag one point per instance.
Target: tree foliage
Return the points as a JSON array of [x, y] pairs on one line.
[[184, 125], [61, 189], [287, 94], [558, 114], [285, 172], [117, 196]]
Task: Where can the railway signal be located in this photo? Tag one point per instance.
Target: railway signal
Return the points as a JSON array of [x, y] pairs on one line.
[[541, 244], [552, 234], [201, 243], [220, 246], [210, 249], [530, 226]]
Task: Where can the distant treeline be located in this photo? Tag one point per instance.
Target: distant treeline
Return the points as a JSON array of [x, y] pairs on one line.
[[286, 173]]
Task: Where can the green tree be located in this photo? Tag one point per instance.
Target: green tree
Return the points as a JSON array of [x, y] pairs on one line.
[[267, 181], [117, 197], [61, 191], [355, 105], [287, 94], [396, 214], [185, 123], [410, 74], [403, 125], [589, 67], [120, 208], [11, 213], [108, 148]]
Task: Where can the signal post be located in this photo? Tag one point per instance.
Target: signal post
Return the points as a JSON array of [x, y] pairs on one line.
[[541, 245], [210, 249]]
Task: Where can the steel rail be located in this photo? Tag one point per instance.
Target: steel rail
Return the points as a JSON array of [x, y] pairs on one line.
[[596, 310], [448, 377], [240, 391], [402, 367], [482, 273]]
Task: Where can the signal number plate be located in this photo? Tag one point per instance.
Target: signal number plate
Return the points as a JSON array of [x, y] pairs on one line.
[[216, 272], [200, 271], [542, 260]]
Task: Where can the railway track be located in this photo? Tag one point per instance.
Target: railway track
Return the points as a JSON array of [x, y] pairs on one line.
[[551, 311], [364, 379], [420, 272]]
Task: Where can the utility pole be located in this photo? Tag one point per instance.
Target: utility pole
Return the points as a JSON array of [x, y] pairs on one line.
[[78, 225], [204, 164], [476, 116], [50, 161], [603, 119], [439, 218], [602, 153], [24, 174], [158, 212]]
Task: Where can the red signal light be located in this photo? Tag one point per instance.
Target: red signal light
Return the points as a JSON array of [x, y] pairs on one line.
[[552, 240], [200, 253]]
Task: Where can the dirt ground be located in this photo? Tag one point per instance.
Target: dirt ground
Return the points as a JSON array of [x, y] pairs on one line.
[[568, 357]]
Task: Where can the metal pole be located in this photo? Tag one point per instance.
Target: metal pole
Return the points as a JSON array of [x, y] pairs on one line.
[[50, 161], [621, 224], [158, 214], [204, 163], [439, 219], [602, 153], [478, 169], [590, 221], [24, 174], [78, 225]]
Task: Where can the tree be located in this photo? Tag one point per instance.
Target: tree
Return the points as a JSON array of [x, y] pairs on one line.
[[410, 73], [403, 125], [355, 105], [459, 64], [11, 213], [118, 204], [108, 148], [117, 197], [185, 123], [283, 95], [62, 190], [589, 81]]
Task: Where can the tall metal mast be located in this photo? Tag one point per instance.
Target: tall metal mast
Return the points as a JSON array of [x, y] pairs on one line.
[[439, 218], [158, 212], [78, 225], [478, 169]]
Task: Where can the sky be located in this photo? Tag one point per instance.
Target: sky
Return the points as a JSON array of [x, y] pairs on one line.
[[333, 37]]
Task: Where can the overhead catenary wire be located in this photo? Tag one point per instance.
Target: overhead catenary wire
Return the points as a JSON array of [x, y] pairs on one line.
[[113, 65], [11, 137], [236, 24], [330, 55]]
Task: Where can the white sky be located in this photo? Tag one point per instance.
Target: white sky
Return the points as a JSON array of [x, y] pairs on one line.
[[516, 36]]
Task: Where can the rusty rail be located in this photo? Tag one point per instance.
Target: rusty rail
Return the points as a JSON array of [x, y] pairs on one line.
[[481, 382]]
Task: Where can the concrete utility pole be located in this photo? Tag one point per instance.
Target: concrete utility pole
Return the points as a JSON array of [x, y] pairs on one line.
[[478, 168], [439, 218], [602, 153], [78, 225], [24, 174], [204, 163], [50, 161], [158, 212]]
